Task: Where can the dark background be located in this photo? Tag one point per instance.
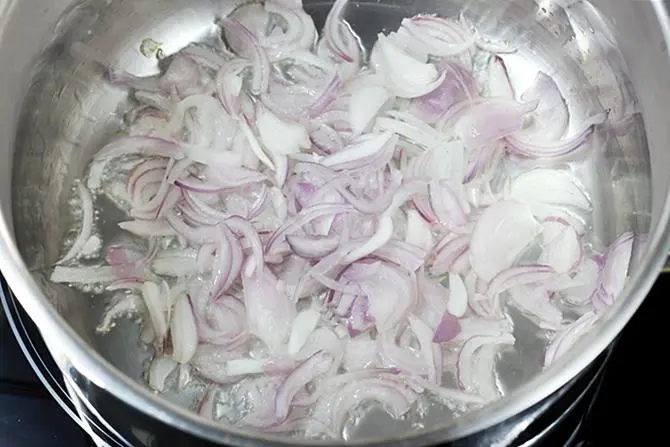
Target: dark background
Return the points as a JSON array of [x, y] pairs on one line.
[[630, 410]]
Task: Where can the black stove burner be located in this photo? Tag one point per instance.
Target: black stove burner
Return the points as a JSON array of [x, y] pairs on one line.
[[609, 408]]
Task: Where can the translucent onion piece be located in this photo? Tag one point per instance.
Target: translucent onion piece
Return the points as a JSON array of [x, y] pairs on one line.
[[557, 148], [160, 370], [457, 86], [491, 120], [535, 301], [87, 216], [568, 336], [562, 247], [303, 325], [183, 331], [500, 235], [458, 296], [499, 85], [312, 368], [269, 311], [613, 275], [550, 119], [549, 186], [123, 305], [365, 104], [409, 78], [278, 136], [210, 361], [476, 365], [154, 300], [418, 231]]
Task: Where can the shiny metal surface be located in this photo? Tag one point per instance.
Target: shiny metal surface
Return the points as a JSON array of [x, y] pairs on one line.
[[57, 110], [531, 427]]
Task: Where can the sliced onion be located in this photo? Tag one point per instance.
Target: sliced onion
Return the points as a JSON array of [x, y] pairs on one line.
[[491, 120], [424, 335], [361, 354], [536, 302], [562, 245], [446, 205], [364, 106], [407, 256], [209, 362], [501, 233], [418, 231], [303, 325], [448, 328], [550, 119], [308, 212], [556, 149], [123, 305], [390, 294], [183, 331], [160, 370], [568, 336], [86, 225], [313, 248], [441, 37], [269, 311], [250, 47], [449, 252], [499, 85], [476, 362], [409, 78], [457, 86], [458, 296], [293, 138], [154, 301], [338, 35], [362, 151], [549, 186], [393, 395], [313, 367], [614, 273]]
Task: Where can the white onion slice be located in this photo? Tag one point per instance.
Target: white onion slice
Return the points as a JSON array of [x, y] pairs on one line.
[[569, 336], [365, 104], [499, 85], [151, 293], [409, 77], [303, 325], [548, 186], [502, 232], [278, 136], [550, 119], [614, 273], [458, 296], [269, 310], [476, 362], [86, 225], [418, 231], [183, 331], [562, 245], [160, 370], [536, 302], [491, 120]]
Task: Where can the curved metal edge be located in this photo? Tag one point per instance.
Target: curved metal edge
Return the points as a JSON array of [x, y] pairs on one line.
[[61, 395], [98, 370], [666, 267]]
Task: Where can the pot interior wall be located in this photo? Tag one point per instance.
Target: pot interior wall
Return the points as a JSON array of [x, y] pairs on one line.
[[66, 110]]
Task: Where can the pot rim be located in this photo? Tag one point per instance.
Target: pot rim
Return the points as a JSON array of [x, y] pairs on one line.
[[75, 353]]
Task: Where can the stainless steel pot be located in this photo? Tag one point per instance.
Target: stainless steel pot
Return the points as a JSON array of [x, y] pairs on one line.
[[57, 110]]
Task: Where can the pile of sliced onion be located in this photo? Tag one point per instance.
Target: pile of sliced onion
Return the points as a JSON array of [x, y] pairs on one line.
[[305, 233]]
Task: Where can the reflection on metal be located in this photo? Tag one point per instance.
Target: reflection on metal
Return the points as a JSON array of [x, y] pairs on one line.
[[666, 267]]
